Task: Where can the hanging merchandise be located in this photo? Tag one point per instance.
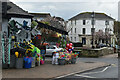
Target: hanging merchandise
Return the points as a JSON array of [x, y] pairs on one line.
[[34, 24], [16, 54], [25, 25]]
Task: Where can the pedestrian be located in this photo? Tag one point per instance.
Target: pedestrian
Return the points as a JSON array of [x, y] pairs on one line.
[[55, 58]]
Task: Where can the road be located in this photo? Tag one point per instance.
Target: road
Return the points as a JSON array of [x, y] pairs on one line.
[[104, 72]]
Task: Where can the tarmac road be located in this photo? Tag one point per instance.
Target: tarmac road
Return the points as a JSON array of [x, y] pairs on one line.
[[107, 73]]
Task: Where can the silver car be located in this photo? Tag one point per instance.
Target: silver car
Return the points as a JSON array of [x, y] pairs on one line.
[[51, 49]]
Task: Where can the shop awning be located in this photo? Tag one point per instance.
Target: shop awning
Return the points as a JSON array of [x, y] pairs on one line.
[[42, 25]]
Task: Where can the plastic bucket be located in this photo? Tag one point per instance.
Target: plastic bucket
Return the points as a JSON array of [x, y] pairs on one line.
[[33, 62], [73, 60], [27, 65], [12, 61], [19, 63], [61, 61]]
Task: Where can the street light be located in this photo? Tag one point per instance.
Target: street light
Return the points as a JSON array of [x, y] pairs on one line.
[[106, 30], [93, 29]]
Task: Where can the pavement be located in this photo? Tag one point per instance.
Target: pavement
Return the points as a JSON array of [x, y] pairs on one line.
[[115, 55], [51, 71]]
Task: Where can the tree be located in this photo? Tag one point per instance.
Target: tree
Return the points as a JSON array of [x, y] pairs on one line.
[[100, 35]]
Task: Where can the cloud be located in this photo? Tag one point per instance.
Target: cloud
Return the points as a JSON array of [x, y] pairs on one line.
[[70, 9], [64, 0]]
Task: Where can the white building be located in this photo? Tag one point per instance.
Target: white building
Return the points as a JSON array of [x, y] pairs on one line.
[[80, 26]]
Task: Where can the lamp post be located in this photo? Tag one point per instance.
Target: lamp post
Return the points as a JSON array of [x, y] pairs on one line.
[[106, 31], [118, 39], [93, 29]]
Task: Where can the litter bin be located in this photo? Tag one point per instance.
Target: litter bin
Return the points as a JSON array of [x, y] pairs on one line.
[[12, 61], [33, 62]]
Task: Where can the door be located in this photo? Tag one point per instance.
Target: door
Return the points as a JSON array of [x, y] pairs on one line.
[[84, 41]]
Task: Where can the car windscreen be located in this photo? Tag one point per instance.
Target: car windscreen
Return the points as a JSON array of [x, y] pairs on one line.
[[50, 47]]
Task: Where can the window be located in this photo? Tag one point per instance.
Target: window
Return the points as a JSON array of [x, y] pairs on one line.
[[75, 38], [75, 30], [71, 22], [84, 31], [84, 22], [71, 30], [106, 22], [103, 41], [75, 21], [71, 38]]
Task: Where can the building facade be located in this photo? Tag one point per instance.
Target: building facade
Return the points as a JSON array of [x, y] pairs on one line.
[[80, 27]]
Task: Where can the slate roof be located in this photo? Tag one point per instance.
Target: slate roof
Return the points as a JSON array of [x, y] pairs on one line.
[[86, 15], [41, 14], [16, 10]]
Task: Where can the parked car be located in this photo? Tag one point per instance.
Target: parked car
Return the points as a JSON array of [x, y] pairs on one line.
[[50, 49], [101, 45]]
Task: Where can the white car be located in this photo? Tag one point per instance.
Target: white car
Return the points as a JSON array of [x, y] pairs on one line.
[[51, 49]]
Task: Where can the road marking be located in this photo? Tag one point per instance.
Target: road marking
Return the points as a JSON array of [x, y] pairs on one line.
[[69, 74], [84, 76], [65, 75], [98, 71], [114, 65]]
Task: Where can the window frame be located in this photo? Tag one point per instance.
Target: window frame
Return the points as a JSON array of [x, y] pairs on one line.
[[83, 30], [84, 22]]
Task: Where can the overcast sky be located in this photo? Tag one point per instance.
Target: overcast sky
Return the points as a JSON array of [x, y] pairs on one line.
[[67, 9]]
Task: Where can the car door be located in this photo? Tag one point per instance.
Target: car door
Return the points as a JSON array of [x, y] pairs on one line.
[[49, 50]]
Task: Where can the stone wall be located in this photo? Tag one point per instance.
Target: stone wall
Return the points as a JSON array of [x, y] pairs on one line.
[[96, 52]]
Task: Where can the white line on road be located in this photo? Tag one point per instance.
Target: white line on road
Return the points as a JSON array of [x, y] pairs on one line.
[[98, 71], [69, 74], [84, 76]]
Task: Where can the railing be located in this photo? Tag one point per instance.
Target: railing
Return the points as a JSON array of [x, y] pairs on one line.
[[6, 46]]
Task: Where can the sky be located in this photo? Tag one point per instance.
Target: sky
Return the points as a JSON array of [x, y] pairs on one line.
[[67, 9]]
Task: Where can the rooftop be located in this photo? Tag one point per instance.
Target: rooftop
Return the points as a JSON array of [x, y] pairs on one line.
[[41, 14], [88, 15], [16, 10]]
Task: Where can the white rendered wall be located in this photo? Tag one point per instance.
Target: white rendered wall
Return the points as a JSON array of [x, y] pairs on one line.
[[99, 25]]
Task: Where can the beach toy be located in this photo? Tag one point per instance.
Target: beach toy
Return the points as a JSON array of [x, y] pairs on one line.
[[16, 54]]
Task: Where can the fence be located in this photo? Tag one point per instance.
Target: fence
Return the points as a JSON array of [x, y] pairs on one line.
[[6, 46]]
